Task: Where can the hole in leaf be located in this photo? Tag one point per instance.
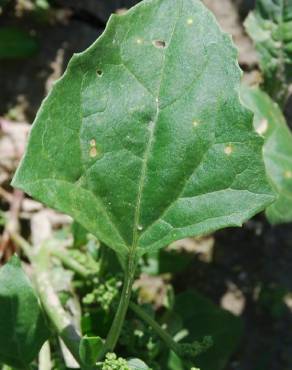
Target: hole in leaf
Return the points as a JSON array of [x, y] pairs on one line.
[[99, 72], [159, 44]]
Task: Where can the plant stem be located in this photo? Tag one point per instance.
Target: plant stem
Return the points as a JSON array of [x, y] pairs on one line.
[[70, 263], [52, 304], [49, 298], [120, 315], [23, 244], [167, 338]]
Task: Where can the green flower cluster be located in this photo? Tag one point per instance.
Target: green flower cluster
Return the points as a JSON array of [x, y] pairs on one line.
[[112, 362], [189, 351], [104, 294]]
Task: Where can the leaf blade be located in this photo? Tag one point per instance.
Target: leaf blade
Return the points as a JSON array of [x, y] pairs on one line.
[[138, 142], [269, 121]]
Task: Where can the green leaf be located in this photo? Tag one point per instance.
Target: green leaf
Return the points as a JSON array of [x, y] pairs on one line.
[[201, 317], [89, 349], [270, 26], [144, 140], [79, 235], [22, 325], [136, 364], [270, 122], [16, 43]]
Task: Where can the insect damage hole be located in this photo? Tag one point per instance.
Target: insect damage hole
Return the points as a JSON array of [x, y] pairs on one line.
[[160, 44], [99, 72]]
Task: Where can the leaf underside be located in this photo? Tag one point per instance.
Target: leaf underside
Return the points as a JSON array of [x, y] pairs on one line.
[[270, 26], [144, 140], [270, 122]]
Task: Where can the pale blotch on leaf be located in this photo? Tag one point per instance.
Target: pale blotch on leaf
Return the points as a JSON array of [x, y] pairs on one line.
[[263, 126], [228, 150], [139, 41], [288, 174], [195, 123], [160, 44], [92, 142], [190, 21], [140, 227], [93, 152]]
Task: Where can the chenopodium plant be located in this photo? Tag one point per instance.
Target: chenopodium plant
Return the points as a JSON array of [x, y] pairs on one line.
[[144, 140], [270, 26], [270, 122]]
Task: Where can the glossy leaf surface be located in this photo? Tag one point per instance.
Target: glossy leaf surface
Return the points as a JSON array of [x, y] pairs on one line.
[[270, 26], [144, 140], [22, 324], [270, 122]]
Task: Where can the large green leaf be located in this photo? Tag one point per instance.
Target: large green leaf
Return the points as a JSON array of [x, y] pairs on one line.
[[22, 325], [270, 26], [201, 317], [270, 122], [144, 140]]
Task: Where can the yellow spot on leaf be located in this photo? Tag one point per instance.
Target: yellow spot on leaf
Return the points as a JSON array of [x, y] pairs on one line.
[[93, 152], [228, 149], [288, 174], [139, 41], [195, 123], [190, 21]]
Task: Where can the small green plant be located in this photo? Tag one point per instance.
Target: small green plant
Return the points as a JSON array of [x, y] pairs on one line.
[[269, 25], [145, 141]]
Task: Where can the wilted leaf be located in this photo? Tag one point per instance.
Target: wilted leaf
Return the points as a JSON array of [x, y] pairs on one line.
[[22, 325], [270, 26], [270, 122], [16, 43], [144, 140]]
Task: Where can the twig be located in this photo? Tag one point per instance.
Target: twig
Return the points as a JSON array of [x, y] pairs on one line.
[[12, 225], [45, 361]]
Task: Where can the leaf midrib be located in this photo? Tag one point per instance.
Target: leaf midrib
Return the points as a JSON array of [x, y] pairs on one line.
[[152, 128]]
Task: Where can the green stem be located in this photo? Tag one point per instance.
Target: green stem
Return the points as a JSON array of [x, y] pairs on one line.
[[49, 298], [23, 244], [167, 338], [52, 304], [115, 330], [70, 263]]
